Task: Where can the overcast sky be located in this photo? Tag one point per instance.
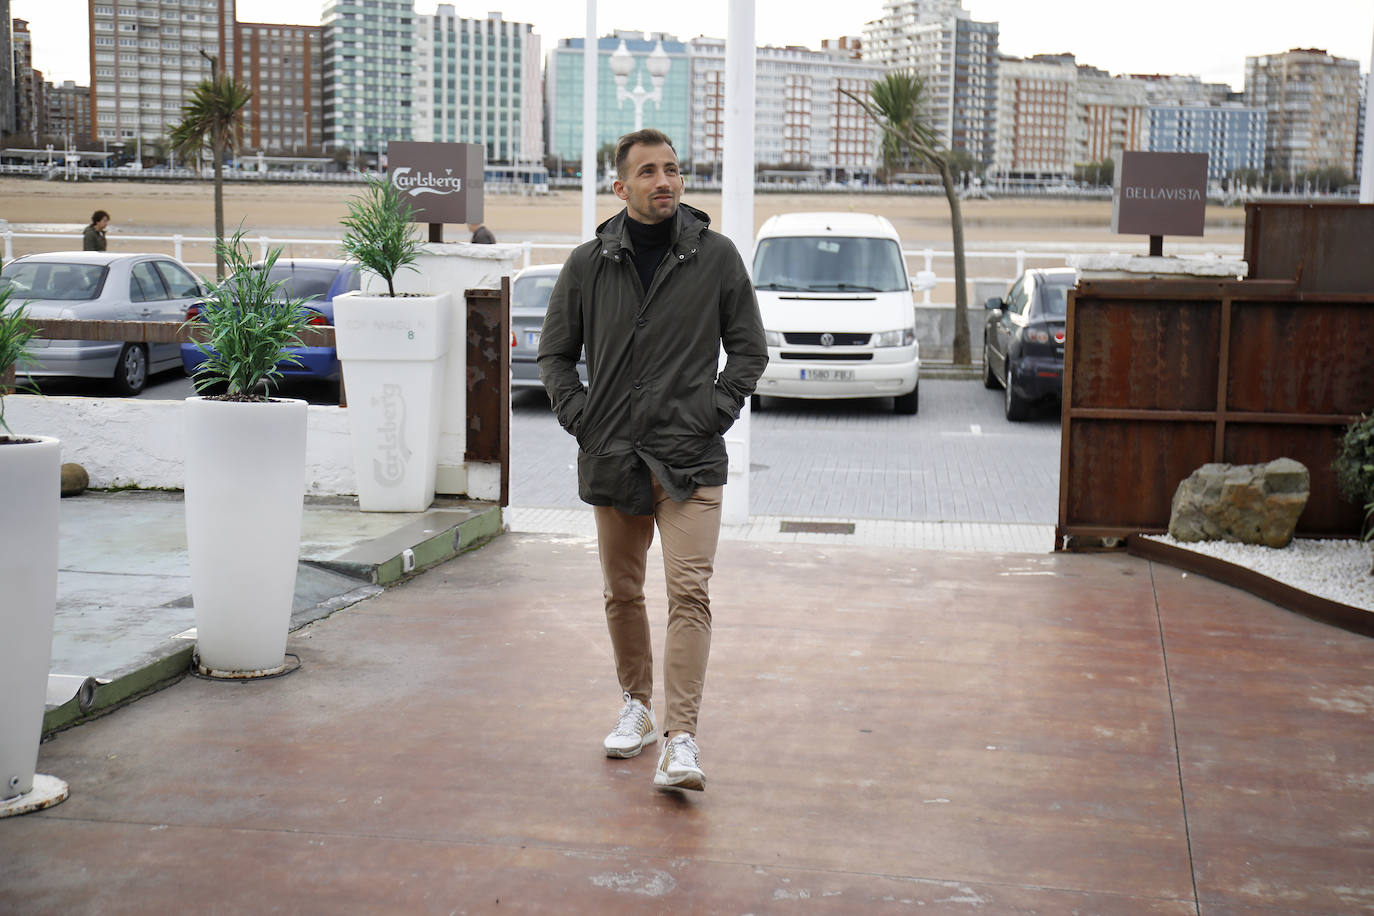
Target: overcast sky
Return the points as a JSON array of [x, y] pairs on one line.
[[1207, 38]]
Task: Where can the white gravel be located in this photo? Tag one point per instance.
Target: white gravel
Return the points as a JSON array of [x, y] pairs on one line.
[[1337, 570]]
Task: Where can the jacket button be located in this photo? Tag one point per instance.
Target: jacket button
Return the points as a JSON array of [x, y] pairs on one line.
[[638, 385], [682, 257], [641, 322], [637, 443]]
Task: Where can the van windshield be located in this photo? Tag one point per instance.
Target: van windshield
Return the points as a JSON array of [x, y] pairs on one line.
[[831, 263]]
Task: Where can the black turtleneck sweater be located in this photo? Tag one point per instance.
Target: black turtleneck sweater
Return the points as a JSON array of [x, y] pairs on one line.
[[650, 243]]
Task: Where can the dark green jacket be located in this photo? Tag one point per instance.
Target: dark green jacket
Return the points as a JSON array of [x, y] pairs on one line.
[[654, 401]]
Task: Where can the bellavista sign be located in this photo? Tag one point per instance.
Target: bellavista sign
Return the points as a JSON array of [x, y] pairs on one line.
[[442, 182], [1160, 194]]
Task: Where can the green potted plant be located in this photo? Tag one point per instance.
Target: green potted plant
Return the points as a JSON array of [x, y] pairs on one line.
[[1354, 467], [30, 491], [245, 470], [393, 349]]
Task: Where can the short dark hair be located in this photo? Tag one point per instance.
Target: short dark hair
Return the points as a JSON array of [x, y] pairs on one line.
[[98, 215], [648, 137]]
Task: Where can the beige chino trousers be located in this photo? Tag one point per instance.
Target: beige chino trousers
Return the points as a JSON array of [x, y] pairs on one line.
[[689, 532]]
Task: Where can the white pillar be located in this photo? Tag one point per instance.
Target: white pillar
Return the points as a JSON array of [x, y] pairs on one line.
[[589, 60], [737, 215]]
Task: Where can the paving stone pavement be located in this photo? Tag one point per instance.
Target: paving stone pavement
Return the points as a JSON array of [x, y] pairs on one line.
[[956, 476]]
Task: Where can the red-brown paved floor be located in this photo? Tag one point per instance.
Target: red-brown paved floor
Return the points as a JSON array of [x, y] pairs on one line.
[[883, 730]]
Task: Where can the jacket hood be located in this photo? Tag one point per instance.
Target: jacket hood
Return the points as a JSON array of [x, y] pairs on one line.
[[688, 225]]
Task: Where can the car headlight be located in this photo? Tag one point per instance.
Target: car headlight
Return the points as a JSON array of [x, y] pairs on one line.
[[903, 337], [772, 338]]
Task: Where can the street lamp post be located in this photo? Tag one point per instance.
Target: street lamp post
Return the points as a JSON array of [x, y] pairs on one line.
[[658, 65]]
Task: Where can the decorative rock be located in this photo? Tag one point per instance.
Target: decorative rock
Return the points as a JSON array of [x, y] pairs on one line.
[[75, 480], [1248, 503]]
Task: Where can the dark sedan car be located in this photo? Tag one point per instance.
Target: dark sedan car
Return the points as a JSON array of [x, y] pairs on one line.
[[316, 279], [1023, 339]]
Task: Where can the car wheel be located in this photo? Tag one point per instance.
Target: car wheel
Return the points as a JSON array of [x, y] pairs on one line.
[[1014, 405], [989, 380], [756, 402], [131, 370], [907, 403]]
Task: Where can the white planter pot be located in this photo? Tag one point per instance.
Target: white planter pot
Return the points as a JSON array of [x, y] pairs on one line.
[[394, 354], [245, 494], [30, 492]]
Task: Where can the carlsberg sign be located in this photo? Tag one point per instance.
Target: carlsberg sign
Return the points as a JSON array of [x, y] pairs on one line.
[[442, 182]]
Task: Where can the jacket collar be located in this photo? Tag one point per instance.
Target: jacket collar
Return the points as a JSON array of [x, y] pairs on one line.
[[688, 224]]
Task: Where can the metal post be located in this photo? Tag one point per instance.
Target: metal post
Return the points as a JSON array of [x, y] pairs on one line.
[[176, 247], [589, 61], [525, 247], [930, 266], [737, 216]]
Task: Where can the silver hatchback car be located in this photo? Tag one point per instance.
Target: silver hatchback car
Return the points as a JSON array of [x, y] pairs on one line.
[[529, 300], [101, 286]]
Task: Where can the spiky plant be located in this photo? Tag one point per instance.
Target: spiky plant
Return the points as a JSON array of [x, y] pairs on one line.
[[378, 231], [15, 333]]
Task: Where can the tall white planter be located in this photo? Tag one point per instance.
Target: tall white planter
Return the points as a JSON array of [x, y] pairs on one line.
[[245, 495], [30, 492], [394, 355]]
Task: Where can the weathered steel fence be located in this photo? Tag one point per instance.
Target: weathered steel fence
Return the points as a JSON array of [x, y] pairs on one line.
[[1162, 376]]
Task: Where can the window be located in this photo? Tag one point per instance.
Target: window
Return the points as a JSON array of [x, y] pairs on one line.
[[145, 284], [179, 282]]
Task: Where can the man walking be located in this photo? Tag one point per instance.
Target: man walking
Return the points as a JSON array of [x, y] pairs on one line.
[[653, 298], [93, 236]]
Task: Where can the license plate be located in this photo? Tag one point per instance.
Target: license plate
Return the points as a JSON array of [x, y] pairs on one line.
[[532, 338], [827, 375]]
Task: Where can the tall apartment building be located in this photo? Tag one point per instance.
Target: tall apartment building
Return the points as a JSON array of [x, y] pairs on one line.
[[955, 55], [1054, 114], [7, 123], [68, 113], [802, 116], [478, 81], [1312, 100], [284, 66], [367, 72], [615, 116], [1175, 89], [29, 109], [1231, 135], [146, 58]]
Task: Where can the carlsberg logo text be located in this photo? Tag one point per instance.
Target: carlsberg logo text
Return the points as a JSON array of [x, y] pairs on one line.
[[389, 468], [428, 182]]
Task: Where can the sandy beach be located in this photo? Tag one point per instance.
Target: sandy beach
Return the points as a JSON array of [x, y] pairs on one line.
[[313, 211]]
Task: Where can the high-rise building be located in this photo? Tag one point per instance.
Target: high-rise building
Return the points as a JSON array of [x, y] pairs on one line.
[[29, 108], [7, 123], [284, 67], [957, 58], [615, 114], [477, 81], [1111, 114], [147, 56], [1312, 100], [802, 117], [1231, 134], [68, 117], [367, 73], [1174, 89]]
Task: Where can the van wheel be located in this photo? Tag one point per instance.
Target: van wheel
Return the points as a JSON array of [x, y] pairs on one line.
[[907, 403], [131, 370]]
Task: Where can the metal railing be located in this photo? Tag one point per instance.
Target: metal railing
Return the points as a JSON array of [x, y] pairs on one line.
[[1017, 259]]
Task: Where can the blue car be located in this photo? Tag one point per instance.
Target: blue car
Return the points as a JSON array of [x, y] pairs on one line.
[[318, 279]]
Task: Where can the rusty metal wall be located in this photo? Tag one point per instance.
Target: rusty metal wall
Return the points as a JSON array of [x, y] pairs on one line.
[[488, 367], [1322, 247], [1162, 376]]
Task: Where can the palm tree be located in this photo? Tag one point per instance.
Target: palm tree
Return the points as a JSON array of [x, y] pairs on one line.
[[213, 116], [897, 103]]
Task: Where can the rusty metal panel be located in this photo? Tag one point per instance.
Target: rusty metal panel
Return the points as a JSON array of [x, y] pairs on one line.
[[1145, 354], [488, 379], [1315, 446], [1124, 472], [1323, 247], [1301, 357]]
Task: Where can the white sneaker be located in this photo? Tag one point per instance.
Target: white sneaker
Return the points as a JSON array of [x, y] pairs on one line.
[[635, 729], [679, 765]]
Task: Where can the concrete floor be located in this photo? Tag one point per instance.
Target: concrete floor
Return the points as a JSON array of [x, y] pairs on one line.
[[884, 730]]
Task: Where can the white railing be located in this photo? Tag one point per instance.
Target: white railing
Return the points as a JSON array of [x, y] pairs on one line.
[[1013, 261]]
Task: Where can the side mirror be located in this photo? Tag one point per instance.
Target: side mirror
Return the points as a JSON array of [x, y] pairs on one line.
[[924, 280], [993, 303]]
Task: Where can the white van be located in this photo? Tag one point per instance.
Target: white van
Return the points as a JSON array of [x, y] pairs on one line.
[[838, 314]]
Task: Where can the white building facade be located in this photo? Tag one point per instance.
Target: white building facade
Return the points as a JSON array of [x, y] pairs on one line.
[[478, 81]]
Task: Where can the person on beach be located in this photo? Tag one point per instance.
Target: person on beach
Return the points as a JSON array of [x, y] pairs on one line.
[[93, 237], [653, 298], [481, 235]]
